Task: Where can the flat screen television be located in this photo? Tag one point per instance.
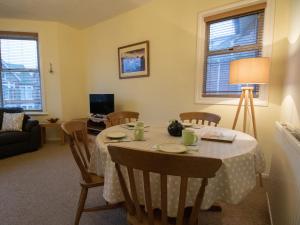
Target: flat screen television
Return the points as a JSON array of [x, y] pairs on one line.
[[102, 104]]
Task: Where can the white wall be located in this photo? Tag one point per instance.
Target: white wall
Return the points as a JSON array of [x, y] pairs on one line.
[[290, 110]]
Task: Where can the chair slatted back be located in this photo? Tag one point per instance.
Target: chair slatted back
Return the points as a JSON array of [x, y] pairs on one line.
[[201, 117], [117, 118], [169, 164], [76, 130]]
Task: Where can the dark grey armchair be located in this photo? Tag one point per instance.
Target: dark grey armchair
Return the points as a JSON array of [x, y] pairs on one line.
[[17, 142]]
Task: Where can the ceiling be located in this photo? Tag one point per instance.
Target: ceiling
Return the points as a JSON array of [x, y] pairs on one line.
[[76, 13]]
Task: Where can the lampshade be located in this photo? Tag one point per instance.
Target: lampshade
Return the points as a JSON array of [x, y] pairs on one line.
[[250, 71]]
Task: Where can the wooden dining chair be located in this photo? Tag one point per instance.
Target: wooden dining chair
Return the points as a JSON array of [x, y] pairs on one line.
[[183, 166], [201, 116], [76, 131], [117, 118]]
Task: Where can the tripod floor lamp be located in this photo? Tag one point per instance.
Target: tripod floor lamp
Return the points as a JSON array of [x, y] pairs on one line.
[[248, 71]]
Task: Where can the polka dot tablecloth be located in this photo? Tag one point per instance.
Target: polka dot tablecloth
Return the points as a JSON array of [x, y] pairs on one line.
[[242, 160]]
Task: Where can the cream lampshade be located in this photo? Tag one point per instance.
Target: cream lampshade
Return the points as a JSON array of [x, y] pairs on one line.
[[250, 71]]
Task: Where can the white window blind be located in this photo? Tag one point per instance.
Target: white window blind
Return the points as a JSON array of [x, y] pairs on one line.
[[229, 39], [20, 75]]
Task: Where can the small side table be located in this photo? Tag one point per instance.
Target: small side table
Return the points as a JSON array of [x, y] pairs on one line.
[[57, 125]]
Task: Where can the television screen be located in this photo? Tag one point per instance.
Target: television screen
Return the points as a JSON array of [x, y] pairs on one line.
[[102, 104]]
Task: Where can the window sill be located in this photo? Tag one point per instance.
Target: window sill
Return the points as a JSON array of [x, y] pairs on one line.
[[227, 101], [32, 113]]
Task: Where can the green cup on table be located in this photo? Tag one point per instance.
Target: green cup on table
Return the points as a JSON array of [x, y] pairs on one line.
[[139, 131], [189, 137]]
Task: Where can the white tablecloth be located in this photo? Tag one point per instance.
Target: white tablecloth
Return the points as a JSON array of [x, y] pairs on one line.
[[242, 159]]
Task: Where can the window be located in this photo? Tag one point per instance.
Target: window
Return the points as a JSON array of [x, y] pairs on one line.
[[230, 36], [20, 83]]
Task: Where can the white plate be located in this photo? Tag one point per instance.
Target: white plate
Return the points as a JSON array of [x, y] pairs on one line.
[[172, 148], [187, 124], [116, 135]]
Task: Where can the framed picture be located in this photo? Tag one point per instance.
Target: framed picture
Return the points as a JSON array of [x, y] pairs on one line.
[[134, 60]]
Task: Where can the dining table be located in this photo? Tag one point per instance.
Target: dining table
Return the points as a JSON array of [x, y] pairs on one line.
[[241, 161]]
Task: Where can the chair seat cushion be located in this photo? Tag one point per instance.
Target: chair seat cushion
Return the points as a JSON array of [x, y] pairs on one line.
[[95, 181], [10, 137]]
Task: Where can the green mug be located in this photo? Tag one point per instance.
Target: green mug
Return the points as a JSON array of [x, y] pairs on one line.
[[139, 131], [189, 137]]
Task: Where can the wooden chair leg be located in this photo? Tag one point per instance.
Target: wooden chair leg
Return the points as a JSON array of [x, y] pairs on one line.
[[83, 195], [260, 180]]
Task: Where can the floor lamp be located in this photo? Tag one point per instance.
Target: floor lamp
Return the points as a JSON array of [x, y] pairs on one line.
[[248, 71]]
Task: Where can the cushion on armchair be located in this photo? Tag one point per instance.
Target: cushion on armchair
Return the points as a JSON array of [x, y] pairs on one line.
[[12, 121], [13, 110]]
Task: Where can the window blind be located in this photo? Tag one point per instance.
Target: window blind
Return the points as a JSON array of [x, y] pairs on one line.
[[20, 76], [229, 39]]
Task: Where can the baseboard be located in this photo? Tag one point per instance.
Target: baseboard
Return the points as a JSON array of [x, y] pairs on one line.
[[269, 209], [53, 139]]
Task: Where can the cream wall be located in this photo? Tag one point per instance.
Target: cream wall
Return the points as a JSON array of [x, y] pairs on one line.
[[64, 90], [291, 98], [171, 28], [73, 80]]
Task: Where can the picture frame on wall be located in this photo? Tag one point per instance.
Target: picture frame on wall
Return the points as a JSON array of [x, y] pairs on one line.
[[134, 60]]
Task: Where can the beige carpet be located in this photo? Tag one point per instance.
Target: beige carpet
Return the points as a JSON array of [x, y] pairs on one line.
[[41, 188]]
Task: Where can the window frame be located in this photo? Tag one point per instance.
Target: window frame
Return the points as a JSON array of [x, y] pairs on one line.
[[267, 41], [236, 49], [12, 35]]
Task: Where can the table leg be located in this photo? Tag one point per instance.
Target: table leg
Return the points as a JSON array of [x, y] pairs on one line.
[[62, 136], [43, 135]]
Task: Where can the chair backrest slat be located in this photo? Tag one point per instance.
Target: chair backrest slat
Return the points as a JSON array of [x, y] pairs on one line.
[[182, 198], [83, 134], [198, 201], [164, 198], [128, 201], [201, 116], [171, 164], [117, 118], [76, 130], [79, 150], [134, 193], [147, 188]]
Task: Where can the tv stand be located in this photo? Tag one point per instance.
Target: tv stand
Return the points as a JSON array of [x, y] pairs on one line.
[[96, 124]]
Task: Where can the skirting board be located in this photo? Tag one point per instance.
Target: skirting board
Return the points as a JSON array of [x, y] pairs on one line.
[[53, 139]]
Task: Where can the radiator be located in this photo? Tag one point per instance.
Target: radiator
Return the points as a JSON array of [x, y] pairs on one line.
[[283, 187]]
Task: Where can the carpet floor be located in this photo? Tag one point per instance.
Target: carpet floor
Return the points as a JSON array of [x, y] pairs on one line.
[[41, 188]]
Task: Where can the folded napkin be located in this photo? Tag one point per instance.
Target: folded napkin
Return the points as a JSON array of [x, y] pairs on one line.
[[109, 140], [132, 128], [189, 147]]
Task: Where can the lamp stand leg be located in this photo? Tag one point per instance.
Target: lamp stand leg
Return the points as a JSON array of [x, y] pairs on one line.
[[247, 94], [238, 109], [245, 110], [254, 129], [253, 113]]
